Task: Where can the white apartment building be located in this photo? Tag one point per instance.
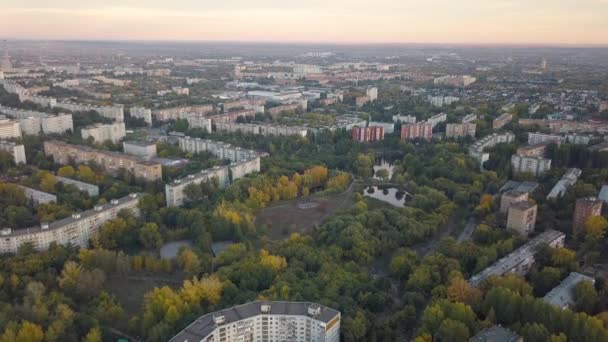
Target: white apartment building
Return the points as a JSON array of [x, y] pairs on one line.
[[407, 119], [568, 179], [440, 101], [469, 118], [261, 129], [539, 138], [372, 92], [9, 129], [562, 296], [17, 151], [115, 113], [102, 132], [76, 230], [455, 80], [144, 149], [33, 122], [174, 192], [142, 113], [197, 121], [455, 130], [38, 197], [533, 165], [265, 322], [437, 119], [477, 150]]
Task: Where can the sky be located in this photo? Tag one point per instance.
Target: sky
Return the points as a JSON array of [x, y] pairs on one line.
[[551, 22]]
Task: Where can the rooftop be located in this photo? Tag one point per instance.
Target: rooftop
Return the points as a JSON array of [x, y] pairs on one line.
[[562, 296], [495, 334], [206, 324]]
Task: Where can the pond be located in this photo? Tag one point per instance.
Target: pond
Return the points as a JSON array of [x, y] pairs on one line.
[[383, 164], [170, 249], [392, 196]]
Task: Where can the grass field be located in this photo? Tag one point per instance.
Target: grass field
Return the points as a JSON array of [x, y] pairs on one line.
[[301, 215]]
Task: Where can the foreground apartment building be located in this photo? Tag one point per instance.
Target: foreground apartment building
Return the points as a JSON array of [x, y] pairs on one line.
[[265, 322], [64, 153], [75, 230]]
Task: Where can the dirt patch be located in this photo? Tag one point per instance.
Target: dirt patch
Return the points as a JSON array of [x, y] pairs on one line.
[[301, 215]]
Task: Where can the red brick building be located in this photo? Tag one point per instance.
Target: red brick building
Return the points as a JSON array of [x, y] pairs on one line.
[[423, 130], [585, 208], [368, 134]]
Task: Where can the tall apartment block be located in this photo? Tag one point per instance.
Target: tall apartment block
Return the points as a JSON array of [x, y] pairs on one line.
[[502, 120], [142, 113], [533, 165], [9, 129], [17, 151], [76, 230], [455, 130], [64, 153], [265, 322], [510, 197], [522, 217], [368, 134], [423, 130], [585, 208]]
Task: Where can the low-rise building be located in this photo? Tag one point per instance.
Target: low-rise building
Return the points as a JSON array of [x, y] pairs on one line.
[[455, 80], [440, 101], [167, 114], [419, 130], [538, 138], [368, 134], [91, 189], [562, 296], [38, 197], [477, 150], [64, 153], [232, 116], [115, 113], [101, 132], [522, 217], [568, 179], [502, 120], [521, 260], [196, 121], [143, 149], [276, 111], [15, 150], [469, 118], [455, 130], [265, 321], [76, 230], [510, 197], [406, 119], [533, 165]]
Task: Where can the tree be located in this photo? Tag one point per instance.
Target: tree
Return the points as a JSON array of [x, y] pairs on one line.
[[149, 236], [461, 291], [585, 297], [94, 335], [48, 182], [30, 332], [595, 228], [365, 165], [86, 174], [66, 171], [452, 331], [189, 261]]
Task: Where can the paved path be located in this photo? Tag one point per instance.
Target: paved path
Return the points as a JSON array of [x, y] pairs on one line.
[[468, 231]]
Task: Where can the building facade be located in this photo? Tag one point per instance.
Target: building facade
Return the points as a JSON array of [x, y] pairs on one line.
[[502, 120], [115, 113], [142, 113], [266, 322], [76, 230], [368, 134], [437, 119], [101, 132], [15, 150], [420, 130], [585, 208], [522, 217], [261, 129], [533, 165], [9, 129], [510, 197], [143, 149], [64, 153], [173, 113], [454, 130], [91, 189]]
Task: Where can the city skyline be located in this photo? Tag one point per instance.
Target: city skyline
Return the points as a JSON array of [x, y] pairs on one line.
[[537, 22]]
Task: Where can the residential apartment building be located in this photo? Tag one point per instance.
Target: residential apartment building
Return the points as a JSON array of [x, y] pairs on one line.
[[420, 130], [261, 129], [64, 153], [562, 296], [251, 104], [76, 230], [173, 113], [440, 101], [276, 111], [368, 134], [477, 150], [197, 121], [502, 120], [496, 333], [533, 165], [568, 179], [437, 119], [455, 130], [232, 116], [33, 122], [585, 208], [469, 118], [143, 149], [266, 322], [91, 189], [101, 132], [360, 101], [538, 138], [175, 192], [372, 92], [142, 113], [455, 80], [406, 119], [115, 113], [9, 128], [522, 217], [510, 197], [38, 197], [15, 150], [521, 260]]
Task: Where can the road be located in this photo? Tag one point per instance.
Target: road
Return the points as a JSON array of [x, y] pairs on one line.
[[468, 230]]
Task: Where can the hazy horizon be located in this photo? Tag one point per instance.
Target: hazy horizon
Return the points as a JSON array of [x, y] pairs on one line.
[[463, 22]]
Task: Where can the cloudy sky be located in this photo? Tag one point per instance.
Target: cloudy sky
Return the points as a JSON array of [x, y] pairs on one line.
[[345, 21]]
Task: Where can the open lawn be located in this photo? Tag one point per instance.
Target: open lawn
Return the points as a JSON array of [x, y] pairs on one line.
[[302, 214]]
